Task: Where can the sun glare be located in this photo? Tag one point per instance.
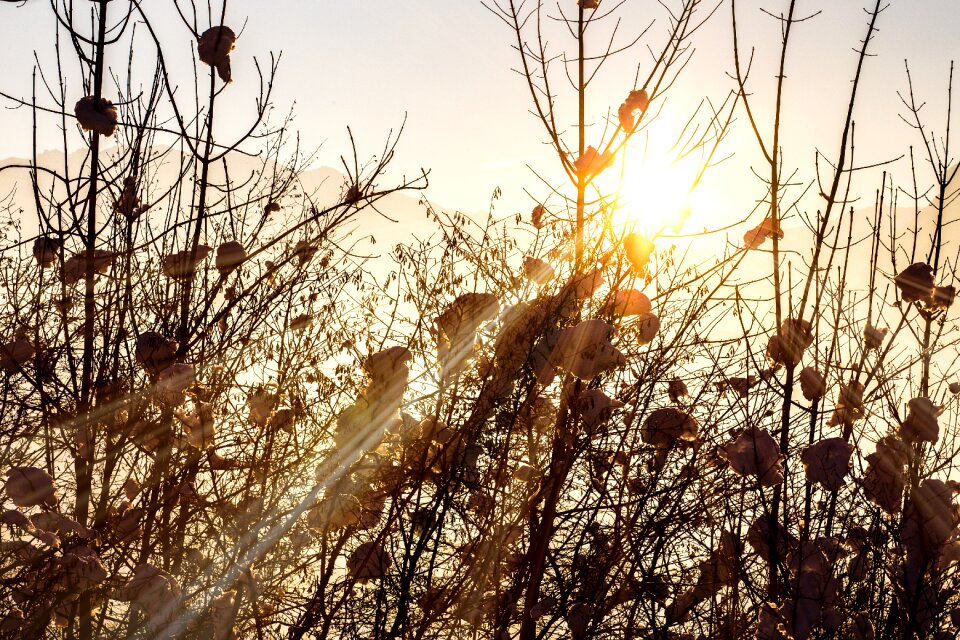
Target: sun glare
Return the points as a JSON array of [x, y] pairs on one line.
[[655, 196]]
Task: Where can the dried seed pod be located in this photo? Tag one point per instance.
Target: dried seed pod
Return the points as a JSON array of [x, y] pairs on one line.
[[96, 115]]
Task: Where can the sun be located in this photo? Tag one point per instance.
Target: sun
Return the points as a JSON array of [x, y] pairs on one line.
[[655, 195]]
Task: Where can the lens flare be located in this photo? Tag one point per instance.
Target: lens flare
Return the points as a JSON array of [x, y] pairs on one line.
[[655, 197]]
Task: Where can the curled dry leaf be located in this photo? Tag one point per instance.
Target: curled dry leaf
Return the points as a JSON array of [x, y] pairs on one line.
[[629, 302], [537, 270], [82, 569], [302, 322], [849, 407], [230, 255], [128, 204], [183, 264], [827, 462], [593, 162], [96, 115], [637, 100], [929, 518], [762, 532], [173, 382], [812, 384], [638, 249], [595, 407], [942, 298], [916, 283], [46, 250], [648, 325], [787, 347], [154, 591], [583, 286], [283, 420], [199, 424], [155, 352], [755, 237], [261, 401], [677, 389], [755, 453], [921, 423], [15, 355], [223, 613], [884, 481], [75, 267], [462, 319], [271, 208], [214, 47], [862, 627], [585, 350], [588, 4], [304, 252], [335, 512], [369, 561], [57, 523], [581, 613], [30, 487], [873, 337], [665, 428], [536, 216], [739, 385], [388, 365]]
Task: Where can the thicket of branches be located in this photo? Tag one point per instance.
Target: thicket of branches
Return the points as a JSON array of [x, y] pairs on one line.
[[220, 421]]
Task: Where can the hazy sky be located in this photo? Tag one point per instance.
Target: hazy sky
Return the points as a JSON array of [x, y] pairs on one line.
[[446, 64]]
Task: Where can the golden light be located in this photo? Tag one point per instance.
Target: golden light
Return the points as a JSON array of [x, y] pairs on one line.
[[655, 195]]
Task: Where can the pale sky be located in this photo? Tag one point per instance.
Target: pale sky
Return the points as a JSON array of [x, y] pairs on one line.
[[447, 65]]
